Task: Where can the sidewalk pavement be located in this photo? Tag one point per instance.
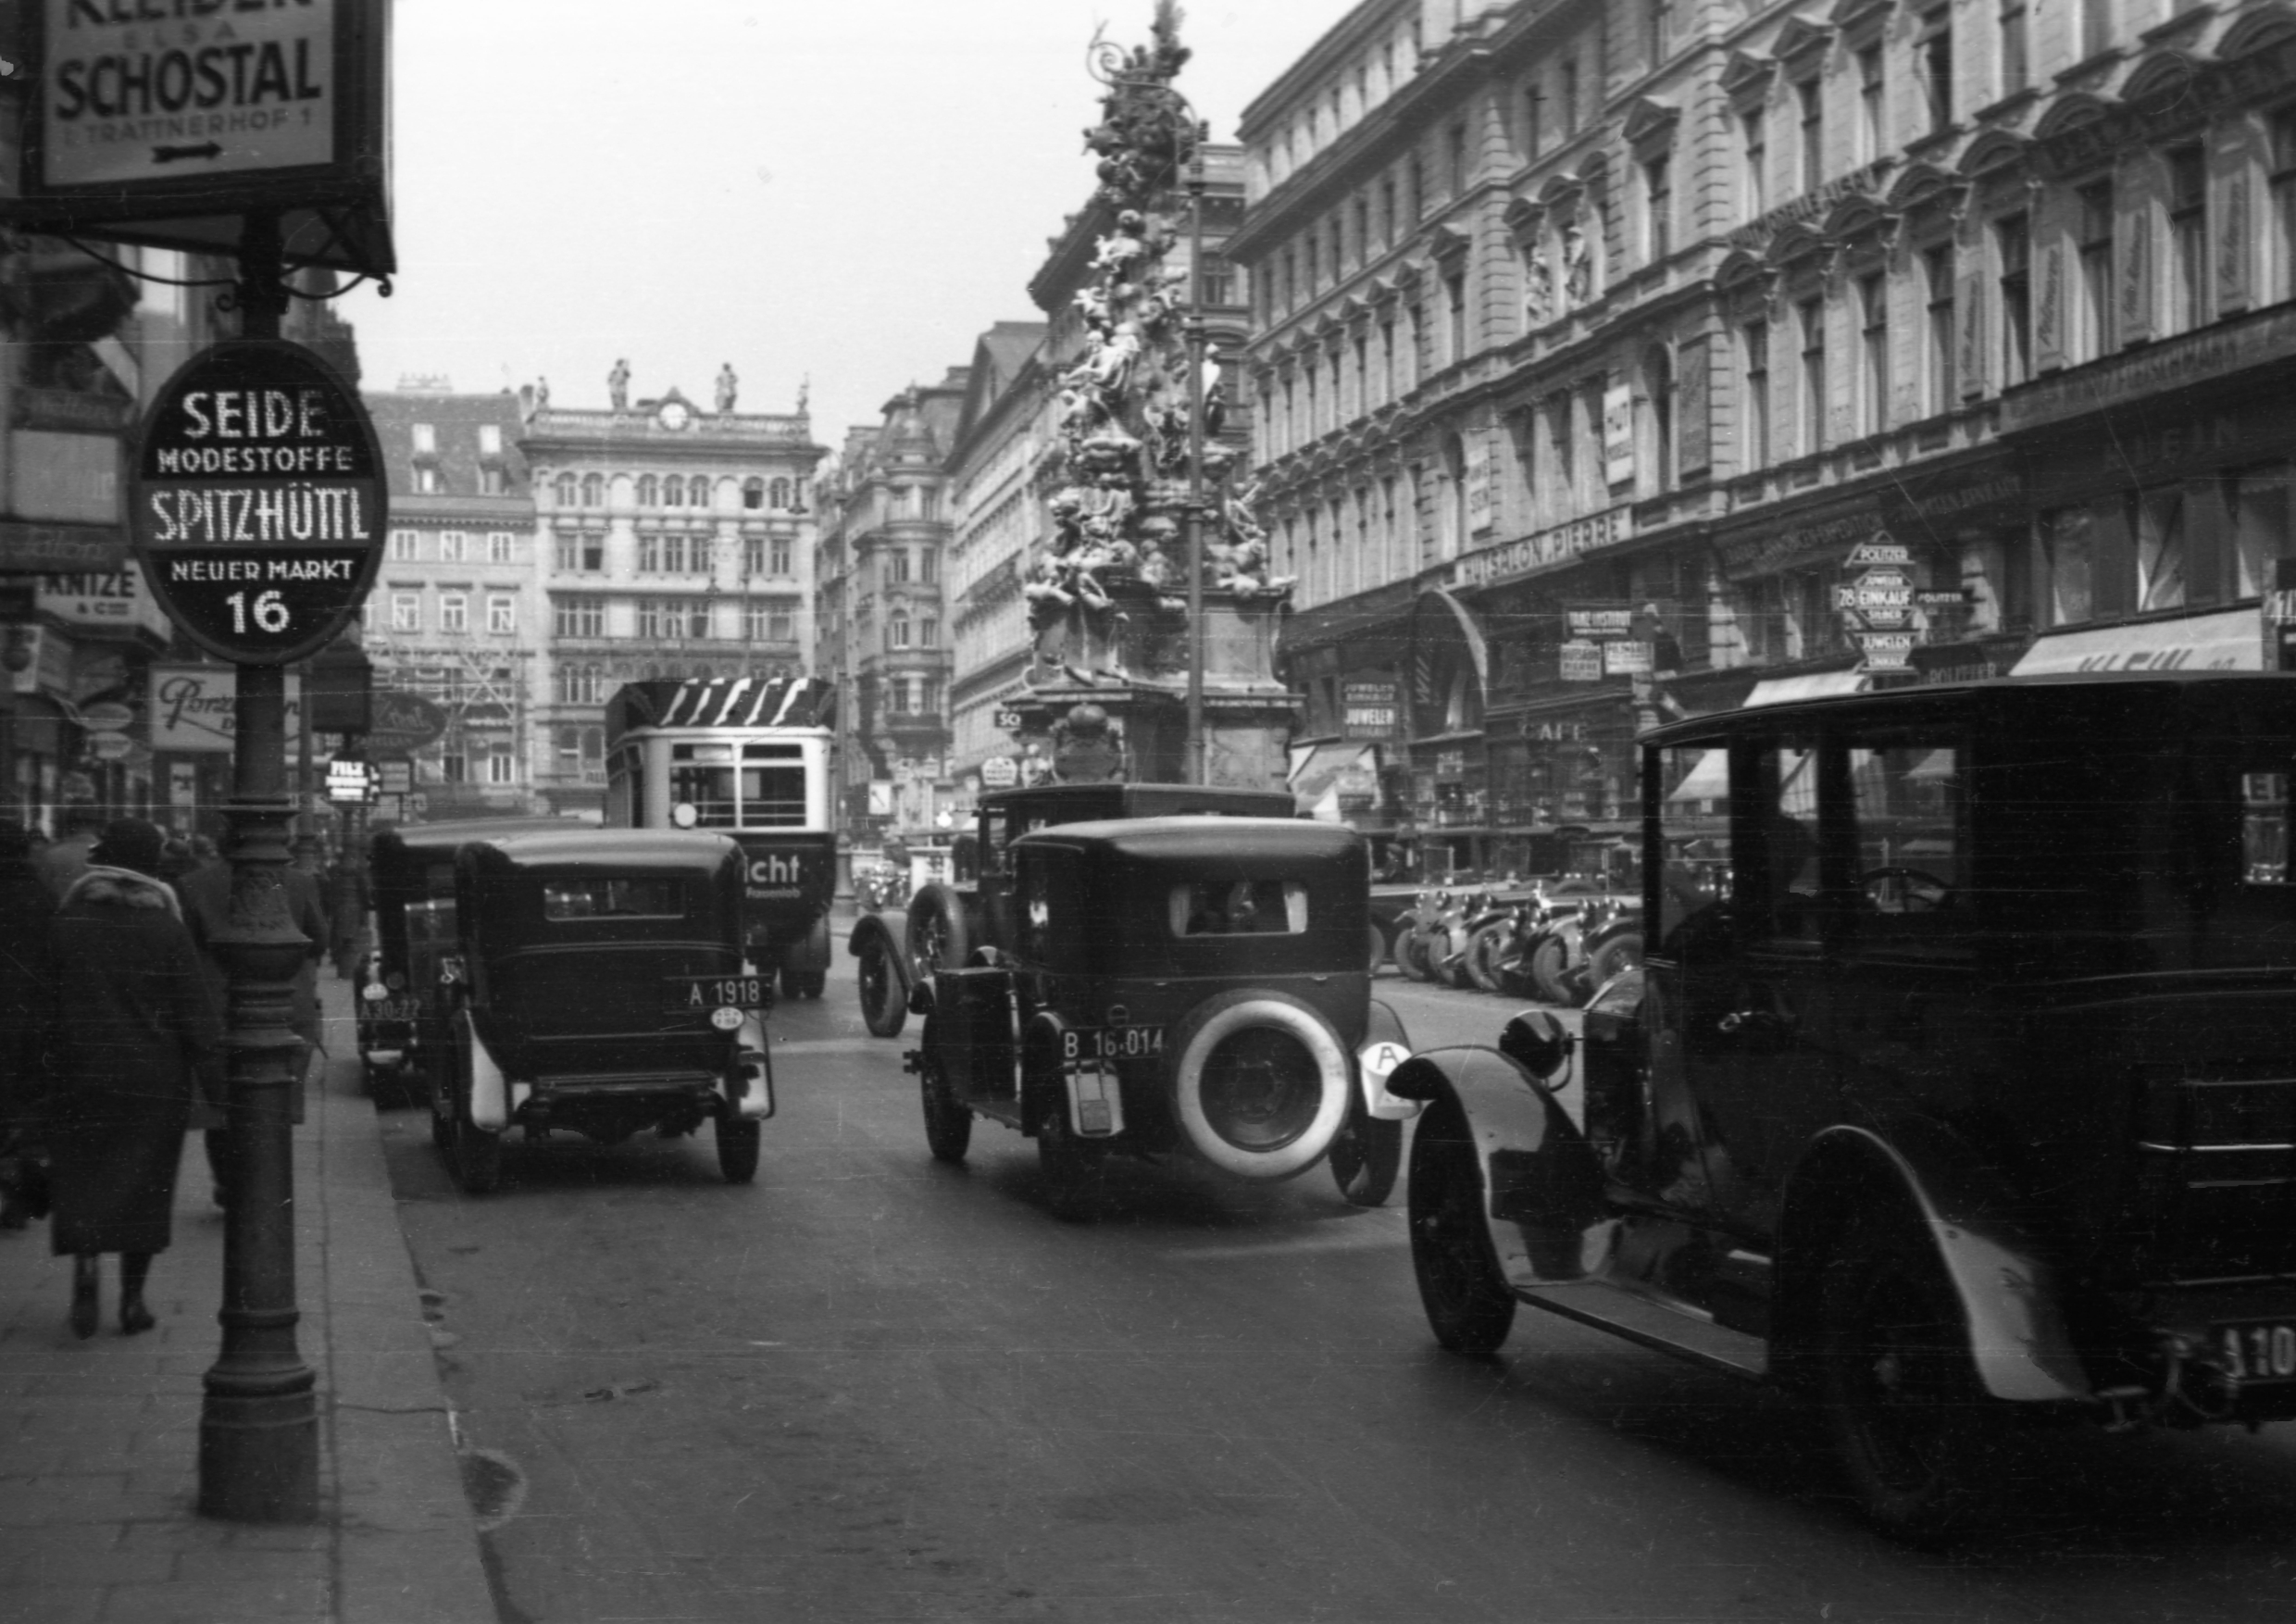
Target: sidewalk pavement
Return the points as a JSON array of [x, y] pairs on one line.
[[99, 1439]]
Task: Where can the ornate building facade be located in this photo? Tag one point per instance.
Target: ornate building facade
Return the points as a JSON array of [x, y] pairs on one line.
[[671, 540], [1614, 360], [883, 633]]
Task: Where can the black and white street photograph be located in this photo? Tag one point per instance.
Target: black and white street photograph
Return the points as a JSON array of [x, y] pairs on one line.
[[1148, 812]]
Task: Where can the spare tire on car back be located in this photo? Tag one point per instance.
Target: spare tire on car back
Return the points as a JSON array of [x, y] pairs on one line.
[[938, 937], [1261, 1083]]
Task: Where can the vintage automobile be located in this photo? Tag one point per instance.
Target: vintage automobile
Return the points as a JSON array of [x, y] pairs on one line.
[[591, 981], [402, 1023], [1968, 1093], [1169, 986], [899, 947]]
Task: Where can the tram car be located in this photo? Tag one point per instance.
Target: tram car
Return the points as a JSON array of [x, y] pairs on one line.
[[747, 758]]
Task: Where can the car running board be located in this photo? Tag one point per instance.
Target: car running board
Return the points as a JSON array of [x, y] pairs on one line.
[[996, 1108], [1684, 1332]]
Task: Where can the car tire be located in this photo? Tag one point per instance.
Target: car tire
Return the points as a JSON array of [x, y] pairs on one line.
[[948, 1125], [477, 1158], [1545, 964], [1070, 1172], [938, 937], [1378, 944], [812, 983], [1366, 1156], [792, 979], [1910, 1423], [1468, 1305], [1483, 952], [1239, 1088], [738, 1142], [1411, 950], [1450, 950], [884, 1010], [1622, 952]]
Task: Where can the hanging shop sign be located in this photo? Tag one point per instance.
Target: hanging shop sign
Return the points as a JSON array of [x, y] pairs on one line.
[[1370, 710], [402, 723], [1586, 621], [168, 121], [192, 707], [259, 509], [1887, 651], [1000, 772], [103, 600]]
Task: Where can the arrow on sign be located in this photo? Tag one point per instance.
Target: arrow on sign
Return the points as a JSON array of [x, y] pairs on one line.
[[167, 155]]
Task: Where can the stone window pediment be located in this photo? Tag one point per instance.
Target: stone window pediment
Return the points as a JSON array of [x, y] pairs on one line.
[[1560, 192], [1524, 216], [1992, 154], [1447, 242], [1746, 78], [1649, 123], [1802, 38]]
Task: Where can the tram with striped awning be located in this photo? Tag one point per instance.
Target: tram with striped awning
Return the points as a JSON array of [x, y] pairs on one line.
[[748, 756]]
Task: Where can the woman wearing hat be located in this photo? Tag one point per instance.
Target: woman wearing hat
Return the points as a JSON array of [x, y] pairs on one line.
[[136, 1040]]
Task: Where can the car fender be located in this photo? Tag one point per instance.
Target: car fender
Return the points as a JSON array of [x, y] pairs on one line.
[[890, 933], [489, 1105], [1385, 1046], [748, 1085], [812, 951], [1548, 1218], [2019, 1342]]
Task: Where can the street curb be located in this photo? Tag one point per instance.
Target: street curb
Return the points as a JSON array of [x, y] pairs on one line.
[[407, 1546]]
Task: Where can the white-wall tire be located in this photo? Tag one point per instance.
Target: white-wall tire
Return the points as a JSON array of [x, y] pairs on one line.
[[1293, 1129]]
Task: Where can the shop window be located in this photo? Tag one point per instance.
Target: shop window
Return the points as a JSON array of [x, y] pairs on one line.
[[2257, 499], [2159, 515], [2067, 559]]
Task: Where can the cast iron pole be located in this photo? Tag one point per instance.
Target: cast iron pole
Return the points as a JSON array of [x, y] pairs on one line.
[[258, 1423], [1198, 754]]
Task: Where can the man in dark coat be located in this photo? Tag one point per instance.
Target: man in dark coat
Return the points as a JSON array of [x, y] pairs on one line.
[[205, 894], [136, 1042], [26, 906]]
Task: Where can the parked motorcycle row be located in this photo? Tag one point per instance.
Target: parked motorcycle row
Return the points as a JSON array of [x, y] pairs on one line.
[[1555, 943]]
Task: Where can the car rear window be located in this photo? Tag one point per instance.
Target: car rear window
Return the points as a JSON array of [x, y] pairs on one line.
[[1239, 907], [604, 897]]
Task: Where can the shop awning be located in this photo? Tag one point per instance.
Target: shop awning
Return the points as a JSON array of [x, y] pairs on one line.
[[2230, 640], [1810, 685], [1323, 770]]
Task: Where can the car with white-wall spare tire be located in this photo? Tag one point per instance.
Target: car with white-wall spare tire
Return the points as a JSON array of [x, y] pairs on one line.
[[1188, 988]]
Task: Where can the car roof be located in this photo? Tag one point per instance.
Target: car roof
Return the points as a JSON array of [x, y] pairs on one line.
[[1221, 839], [451, 834], [1991, 695], [620, 848], [1155, 800]]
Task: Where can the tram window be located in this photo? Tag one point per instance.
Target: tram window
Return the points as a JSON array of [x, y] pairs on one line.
[[772, 752], [710, 792], [773, 796]]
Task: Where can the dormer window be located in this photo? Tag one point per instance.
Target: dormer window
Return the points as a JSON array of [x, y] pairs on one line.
[[426, 440]]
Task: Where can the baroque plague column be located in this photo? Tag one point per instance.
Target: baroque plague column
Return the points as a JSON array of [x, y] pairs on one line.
[[1110, 596]]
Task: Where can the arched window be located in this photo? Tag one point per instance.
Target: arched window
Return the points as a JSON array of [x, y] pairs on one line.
[[780, 493], [673, 491], [699, 492], [753, 492], [593, 490], [564, 490], [897, 631], [649, 491]]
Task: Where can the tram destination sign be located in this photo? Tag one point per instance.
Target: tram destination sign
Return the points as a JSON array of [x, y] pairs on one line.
[[258, 504]]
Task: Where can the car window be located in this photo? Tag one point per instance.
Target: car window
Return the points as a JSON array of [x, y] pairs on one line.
[[1694, 833], [600, 897], [1239, 907], [1909, 818], [1775, 795]]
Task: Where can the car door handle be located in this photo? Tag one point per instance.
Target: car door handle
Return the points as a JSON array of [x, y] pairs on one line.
[[1752, 1020]]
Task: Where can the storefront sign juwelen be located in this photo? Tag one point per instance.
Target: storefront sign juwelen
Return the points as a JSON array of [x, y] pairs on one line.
[[258, 505]]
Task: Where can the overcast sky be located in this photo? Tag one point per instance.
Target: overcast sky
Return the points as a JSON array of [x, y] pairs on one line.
[[829, 188]]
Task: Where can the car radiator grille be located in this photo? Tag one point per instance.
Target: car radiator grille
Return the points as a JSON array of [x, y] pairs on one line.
[[2214, 1189]]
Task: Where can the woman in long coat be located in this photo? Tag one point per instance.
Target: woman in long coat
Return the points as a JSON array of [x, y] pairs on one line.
[[26, 908], [136, 1040]]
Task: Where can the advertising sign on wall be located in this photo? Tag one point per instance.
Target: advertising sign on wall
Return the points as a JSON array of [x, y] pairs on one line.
[[191, 707], [1618, 434], [1370, 710], [102, 600]]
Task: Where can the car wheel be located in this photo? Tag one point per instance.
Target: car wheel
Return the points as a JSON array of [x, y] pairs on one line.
[[737, 1139], [1450, 951], [477, 1158], [1483, 952], [1366, 1156], [812, 983], [1377, 944], [1468, 1305], [1623, 952], [1070, 1171], [1411, 951], [948, 1125], [1545, 963], [882, 1010], [791, 980], [1260, 1082], [1908, 1419], [938, 938]]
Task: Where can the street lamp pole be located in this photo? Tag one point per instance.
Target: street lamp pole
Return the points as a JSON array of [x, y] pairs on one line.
[[1198, 756]]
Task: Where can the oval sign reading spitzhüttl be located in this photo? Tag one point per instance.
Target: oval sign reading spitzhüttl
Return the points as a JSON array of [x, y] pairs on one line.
[[258, 501]]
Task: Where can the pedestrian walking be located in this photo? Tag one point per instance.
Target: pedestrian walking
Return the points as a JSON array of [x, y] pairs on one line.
[[65, 859], [206, 895], [135, 1045], [26, 908]]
